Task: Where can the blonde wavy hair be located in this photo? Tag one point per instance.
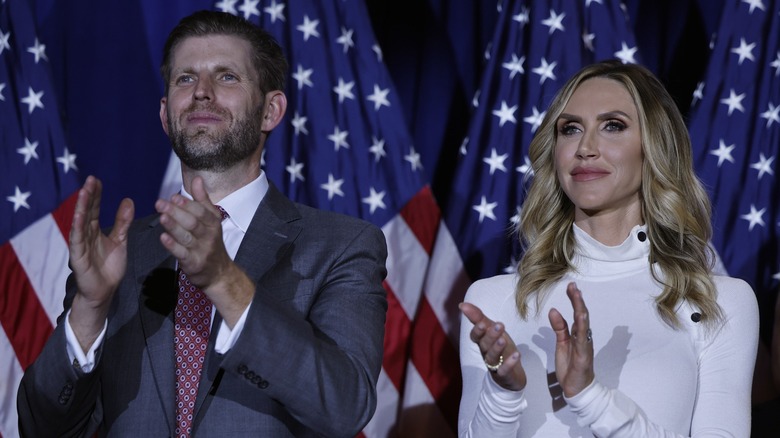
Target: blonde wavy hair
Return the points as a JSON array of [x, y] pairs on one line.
[[675, 206]]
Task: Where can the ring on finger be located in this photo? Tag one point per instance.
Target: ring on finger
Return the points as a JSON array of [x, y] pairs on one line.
[[590, 336], [494, 368]]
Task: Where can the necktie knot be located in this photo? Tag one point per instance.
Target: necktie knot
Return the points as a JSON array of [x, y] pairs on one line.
[[224, 213]]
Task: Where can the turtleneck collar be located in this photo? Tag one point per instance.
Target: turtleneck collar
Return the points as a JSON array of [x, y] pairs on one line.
[[596, 261]]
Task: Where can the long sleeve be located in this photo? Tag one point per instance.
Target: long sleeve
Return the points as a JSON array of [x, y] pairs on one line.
[[726, 360]]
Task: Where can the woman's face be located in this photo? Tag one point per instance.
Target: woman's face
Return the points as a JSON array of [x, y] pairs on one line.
[[598, 151]]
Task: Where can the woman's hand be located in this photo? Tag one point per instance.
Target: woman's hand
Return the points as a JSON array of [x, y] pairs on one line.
[[498, 350], [573, 351]]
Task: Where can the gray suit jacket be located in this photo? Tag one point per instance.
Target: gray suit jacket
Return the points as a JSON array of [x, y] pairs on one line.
[[305, 364]]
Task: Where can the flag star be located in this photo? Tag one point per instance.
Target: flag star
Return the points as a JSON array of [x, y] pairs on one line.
[[463, 151], [522, 17], [545, 71], [19, 199], [763, 165], [626, 54], [249, 8], [554, 22], [39, 50], [228, 6], [754, 217], [776, 276], [414, 159], [698, 93], [68, 161], [28, 150], [333, 187], [772, 114], [339, 139], [475, 99], [2, 85], [755, 4], [485, 209], [33, 100], [496, 161], [4, 45], [535, 119], [262, 158], [378, 51], [515, 66], [377, 148], [346, 39], [379, 97], [744, 50], [734, 101], [775, 64], [344, 90], [295, 170], [375, 200], [512, 267], [526, 168], [587, 39], [299, 123], [588, 2], [723, 152], [309, 28], [505, 114], [276, 11], [303, 77], [515, 219], [487, 51]]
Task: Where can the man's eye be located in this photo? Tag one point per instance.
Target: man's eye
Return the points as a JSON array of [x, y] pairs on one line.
[[183, 79]]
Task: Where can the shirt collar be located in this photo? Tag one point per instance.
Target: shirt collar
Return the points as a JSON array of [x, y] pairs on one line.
[[242, 204]]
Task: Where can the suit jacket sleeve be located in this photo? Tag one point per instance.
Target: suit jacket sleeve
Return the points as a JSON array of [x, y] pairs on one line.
[[313, 340]]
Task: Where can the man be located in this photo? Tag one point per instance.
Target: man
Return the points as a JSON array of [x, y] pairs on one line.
[[290, 299]]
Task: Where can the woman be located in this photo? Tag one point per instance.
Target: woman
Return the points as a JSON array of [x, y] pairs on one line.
[[617, 219]]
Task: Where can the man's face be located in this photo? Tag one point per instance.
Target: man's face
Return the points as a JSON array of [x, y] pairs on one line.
[[214, 108]]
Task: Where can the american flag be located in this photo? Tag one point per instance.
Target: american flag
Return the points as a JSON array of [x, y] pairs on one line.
[[735, 130], [537, 46], [37, 184]]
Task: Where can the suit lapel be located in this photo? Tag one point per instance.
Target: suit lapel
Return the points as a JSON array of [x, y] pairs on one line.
[[269, 236], [157, 301]]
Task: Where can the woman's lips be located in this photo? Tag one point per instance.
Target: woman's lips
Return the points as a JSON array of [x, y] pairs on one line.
[[582, 174]]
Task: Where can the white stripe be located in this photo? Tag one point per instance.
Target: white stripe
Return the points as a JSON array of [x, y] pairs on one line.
[[407, 262], [421, 415], [43, 253], [446, 283], [386, 409], [9, 384]]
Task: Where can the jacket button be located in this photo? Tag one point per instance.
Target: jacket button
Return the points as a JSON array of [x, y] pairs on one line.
[[263, 384], [242, 369]]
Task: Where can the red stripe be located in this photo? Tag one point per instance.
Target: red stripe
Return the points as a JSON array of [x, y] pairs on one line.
[[436, 359], [396, 347], [63, 215], [422, 215], [21, 314]]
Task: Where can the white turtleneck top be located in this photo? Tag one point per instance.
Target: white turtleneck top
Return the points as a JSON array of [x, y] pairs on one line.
[[651, 380]]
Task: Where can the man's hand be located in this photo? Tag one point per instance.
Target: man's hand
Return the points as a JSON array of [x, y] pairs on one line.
[[98, 261]]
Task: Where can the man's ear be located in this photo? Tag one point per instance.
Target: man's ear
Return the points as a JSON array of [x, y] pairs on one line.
[[164, 114], [275, 106]]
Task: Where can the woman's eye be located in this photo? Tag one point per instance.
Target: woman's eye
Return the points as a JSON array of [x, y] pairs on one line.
[[615, 125], [568, 129]]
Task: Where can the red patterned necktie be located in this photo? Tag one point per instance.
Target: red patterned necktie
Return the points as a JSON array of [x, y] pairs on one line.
[[191, 336]]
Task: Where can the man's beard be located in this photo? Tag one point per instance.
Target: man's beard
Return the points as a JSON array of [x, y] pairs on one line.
[[218, 151]]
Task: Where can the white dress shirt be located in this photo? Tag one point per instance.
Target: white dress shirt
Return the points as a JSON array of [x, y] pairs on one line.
[[240, 206]]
